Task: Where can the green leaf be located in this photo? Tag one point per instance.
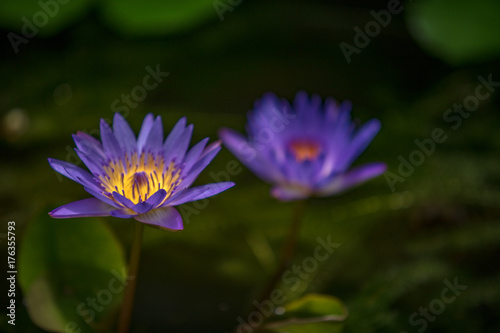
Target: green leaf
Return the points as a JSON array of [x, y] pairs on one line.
[[313, 313], [71, 273], [456, 31], [156, 17], [44, 17]]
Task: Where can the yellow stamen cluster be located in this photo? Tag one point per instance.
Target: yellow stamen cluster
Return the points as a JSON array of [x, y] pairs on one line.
[[305, 150], [138, 177]]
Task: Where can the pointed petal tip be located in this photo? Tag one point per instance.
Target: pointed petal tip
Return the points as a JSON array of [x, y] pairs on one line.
[[213, 145], [89, 207], [118, 115], [53, 214], [182, 121], [103, 122], [224, 132], [380, 168], [230, 137], [205, 140], [345, 105], [230, 184], [156, 198], [376, 123], [352, 178]]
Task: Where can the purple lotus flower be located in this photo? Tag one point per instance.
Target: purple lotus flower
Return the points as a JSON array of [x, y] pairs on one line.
[[306, 149], [141, 178]]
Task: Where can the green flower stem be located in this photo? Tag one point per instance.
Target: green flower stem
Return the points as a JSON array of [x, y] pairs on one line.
[[128, 299], [288, 250]]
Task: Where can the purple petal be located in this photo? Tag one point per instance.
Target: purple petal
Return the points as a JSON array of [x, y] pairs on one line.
[[194, 154], [174, 135], [142, 207], [123, 213], [290, 193], [331, 111], [335, 160], [210, 147], [93, 164], [109, 141], [99, 195], [238, 145], [124, 133], [198, 193], [248, 155], [73, 172], [84, 178], [154, 141], [157, 198], [300, 101], [150, 203], [166, 218], [82, 208], [363, 137], [267, 107], [178, 151], [352, 178], [198, 167], [89, 145], [147, 124], [123, 200]]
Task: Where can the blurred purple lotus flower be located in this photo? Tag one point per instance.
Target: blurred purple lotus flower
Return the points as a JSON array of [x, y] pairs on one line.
[[306, 149], [139, 178]]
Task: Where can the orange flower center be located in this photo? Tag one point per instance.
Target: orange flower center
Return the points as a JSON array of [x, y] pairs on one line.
[[305, 150]]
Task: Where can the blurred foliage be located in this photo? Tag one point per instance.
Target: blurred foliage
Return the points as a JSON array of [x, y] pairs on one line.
[[42, 17], [156, 17], [396, 249], [458, 31], [63, 265], [313, 313], [148, 17]]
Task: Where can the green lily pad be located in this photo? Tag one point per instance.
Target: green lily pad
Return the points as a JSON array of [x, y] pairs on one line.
[[156, 17], [29, 18], [313, 313], [72, 274], [457, 31]]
